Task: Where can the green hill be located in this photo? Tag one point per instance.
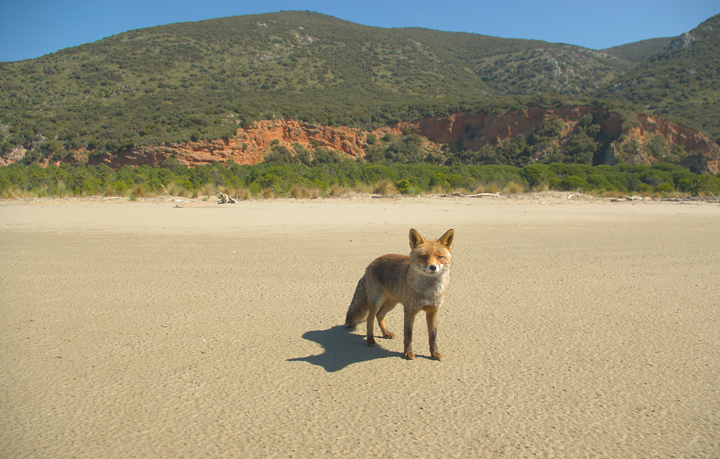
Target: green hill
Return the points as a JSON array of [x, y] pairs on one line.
[[681, 83], [640, 50], [201, 80], [198, 80]]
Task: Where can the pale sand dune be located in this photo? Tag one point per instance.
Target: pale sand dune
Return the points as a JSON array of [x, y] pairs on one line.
[[570, 329]]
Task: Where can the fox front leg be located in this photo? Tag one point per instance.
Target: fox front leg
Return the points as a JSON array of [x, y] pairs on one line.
[[431, 314], [408, 330]]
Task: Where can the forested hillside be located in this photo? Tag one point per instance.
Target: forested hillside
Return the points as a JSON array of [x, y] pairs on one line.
[[640, 50], [179, 85], [198, 80], [682, 83]]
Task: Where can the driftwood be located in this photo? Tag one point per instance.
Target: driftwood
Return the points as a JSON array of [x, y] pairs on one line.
[[631, 198], [226, 199], [693, 199], [456, 195], [677, 199], [174, 199], [466, 195]]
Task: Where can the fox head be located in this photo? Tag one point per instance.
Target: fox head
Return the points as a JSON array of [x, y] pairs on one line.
[[431, 257]]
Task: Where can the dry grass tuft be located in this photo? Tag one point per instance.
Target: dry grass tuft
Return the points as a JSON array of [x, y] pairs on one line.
[[513, 187], [242, 194], [385, 187], [139, 191], [337, 191], [208, 190], [303, 192], [491, 187]]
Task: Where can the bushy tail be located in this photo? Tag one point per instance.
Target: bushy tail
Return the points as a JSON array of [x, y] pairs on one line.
[[359, 307]]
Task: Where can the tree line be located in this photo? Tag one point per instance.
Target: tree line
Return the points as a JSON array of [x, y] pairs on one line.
[[332, 176]]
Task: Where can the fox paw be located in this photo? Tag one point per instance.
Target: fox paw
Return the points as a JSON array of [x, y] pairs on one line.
[[436, 356], [410, 355], [371, 341], [389, 335]]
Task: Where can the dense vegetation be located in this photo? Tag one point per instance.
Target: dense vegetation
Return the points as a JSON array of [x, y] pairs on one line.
[[202, 80], [640, 50], [197, 80], [680, 84], [332, 177]]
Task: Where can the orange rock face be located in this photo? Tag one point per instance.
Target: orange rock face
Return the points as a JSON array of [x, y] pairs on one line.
[[674, 134], [466, 130], [248, 146], [490, 128], [473, 131]]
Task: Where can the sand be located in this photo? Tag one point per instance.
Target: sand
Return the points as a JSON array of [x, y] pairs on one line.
[[572, 328]]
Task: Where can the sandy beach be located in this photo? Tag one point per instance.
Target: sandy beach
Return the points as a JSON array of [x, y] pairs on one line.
[[572, 328]]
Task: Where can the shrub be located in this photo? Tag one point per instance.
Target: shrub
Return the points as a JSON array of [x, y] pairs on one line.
[[665, 188], [120, 186], [575, 183], [280, 154], [688, 185], [644, 188], [402, 186], [536, 174]]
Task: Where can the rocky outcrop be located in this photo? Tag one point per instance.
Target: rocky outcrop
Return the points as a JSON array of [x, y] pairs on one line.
[[13, 156], [653, 140], [673, 134], [249, 145], [473, 131], [463, 130], [466, 130]]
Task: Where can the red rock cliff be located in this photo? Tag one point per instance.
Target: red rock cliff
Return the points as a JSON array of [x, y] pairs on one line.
[[470, 131], [248, 146]]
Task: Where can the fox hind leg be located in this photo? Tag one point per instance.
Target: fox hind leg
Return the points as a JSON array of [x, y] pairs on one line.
[[388, 306], [372, 313]]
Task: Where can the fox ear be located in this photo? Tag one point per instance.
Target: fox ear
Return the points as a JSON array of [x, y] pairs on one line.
[[415, 238], [447, 239]]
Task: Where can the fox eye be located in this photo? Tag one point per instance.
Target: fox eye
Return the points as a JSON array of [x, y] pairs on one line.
[[440, 257], [424, 256]]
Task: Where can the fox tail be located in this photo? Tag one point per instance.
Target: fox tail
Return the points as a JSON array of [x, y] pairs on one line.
[[359, 307]]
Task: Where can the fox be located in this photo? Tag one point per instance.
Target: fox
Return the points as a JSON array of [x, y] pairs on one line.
[[418, 281]]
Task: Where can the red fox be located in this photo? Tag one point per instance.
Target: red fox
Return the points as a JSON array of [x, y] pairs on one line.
[[418, 282]]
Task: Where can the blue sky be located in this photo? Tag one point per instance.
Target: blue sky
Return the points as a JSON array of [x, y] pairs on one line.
[[32, 28]]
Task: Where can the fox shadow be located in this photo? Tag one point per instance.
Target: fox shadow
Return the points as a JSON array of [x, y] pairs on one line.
[[341, 348]]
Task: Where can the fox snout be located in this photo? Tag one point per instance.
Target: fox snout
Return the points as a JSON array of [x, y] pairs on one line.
[[432, 268]]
